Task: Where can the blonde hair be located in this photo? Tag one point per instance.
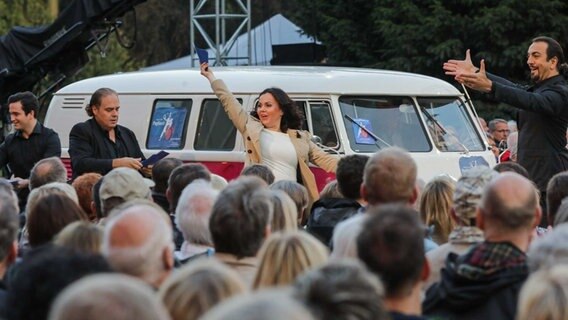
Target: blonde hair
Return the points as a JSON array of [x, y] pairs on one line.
[[436, 203], [285, 213], [544, 295], [284, 256], [331, 190], [197, 287], [81, 236]]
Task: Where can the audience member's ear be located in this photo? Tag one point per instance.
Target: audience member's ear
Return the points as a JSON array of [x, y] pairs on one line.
[[168, 258], [425, 274], [12, 253], [363, 191], [479, 219], [169, 195], [538, 216], [414, 196]]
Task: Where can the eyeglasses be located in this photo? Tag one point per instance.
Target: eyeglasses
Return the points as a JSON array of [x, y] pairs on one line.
[[503, 131]]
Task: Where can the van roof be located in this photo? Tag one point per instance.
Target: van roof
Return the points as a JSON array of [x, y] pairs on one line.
[[294, 80]]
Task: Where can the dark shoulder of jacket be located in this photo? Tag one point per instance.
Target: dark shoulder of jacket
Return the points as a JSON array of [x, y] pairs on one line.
[[9, 138]]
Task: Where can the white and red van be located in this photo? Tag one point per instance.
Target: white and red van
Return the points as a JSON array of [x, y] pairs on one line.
[[350, 110]]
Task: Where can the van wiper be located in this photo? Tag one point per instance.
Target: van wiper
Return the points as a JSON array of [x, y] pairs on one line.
[[444, 131], [369, 132]]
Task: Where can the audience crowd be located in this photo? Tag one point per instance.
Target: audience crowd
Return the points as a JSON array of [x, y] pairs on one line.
[[378, 244]]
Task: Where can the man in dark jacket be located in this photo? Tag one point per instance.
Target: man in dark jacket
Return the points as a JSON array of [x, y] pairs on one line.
[[326, 213], [100, 144], [485, 282], [543, 107]]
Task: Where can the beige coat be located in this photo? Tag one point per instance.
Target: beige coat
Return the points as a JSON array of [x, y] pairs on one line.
[[250, 129]]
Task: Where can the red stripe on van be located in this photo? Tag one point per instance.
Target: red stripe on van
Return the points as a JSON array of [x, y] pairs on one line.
[[231, 170]]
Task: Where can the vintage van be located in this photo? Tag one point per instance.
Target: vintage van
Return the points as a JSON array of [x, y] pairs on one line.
[[348, 110]]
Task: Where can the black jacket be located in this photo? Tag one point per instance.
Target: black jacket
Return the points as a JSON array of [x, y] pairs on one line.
[[326, 213], [491, 295], [89, 150], [542, 120]]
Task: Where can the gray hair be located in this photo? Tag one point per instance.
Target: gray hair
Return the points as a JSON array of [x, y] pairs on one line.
[[143, 261], [46, 171], [108, 296], [193, 211], [264, 304], [9, 222], [492, 125], [549, 250]]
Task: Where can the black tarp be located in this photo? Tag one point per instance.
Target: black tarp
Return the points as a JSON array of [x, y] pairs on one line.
[[28, 54]]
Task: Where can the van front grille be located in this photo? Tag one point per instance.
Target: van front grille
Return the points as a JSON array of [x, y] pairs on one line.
[[74, 103]]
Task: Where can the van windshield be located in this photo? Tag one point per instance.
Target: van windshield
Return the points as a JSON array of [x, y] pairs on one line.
[[375, 122], [449, 124]]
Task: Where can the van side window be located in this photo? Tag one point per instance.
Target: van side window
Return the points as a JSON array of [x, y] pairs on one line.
[[322, 123], [168, 124], [302, 107], [215, 131]]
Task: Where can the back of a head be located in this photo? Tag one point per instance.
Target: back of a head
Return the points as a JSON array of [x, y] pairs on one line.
[[468, 192], [239, 222], [49, 216], [260, 305], [81, 236], [46, 171], [390, 176], [83, 185], [331, 191], [182, 176], [199, 286], [54, 187], [349, 175], [110, 297], [194, 210], [545, 295], [135, 242], [259, 170], [9, 222], [391, 244], [42, 276], [297, 192], [509, 203], [341, 290], [284, 214], [286, 255], [121, 185], [556, 191], [550, 250], [436, 202], [161, 172], [510, 166]]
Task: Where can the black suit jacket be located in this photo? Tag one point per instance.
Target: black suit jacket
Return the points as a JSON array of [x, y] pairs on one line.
[[542, 121], [88, 149]]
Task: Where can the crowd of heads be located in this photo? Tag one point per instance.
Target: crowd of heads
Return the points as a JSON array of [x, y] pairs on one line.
[[243, 249]]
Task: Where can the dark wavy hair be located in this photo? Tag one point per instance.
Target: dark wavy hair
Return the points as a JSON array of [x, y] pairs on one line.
[[292, 118], [97, 97]]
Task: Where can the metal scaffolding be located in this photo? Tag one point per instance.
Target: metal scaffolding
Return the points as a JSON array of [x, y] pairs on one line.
[[221, 44]]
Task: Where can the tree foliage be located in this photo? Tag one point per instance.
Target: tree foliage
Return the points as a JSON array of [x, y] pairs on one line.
[[418, 36]]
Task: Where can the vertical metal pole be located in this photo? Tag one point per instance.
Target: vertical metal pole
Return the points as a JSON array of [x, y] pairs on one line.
[[249, 47], [191, 35], [217, 34], [223, 24]]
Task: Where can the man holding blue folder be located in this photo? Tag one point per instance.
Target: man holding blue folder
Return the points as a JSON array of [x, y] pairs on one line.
[[100, 144]]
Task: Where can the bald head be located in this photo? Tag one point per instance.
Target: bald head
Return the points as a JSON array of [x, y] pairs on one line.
[[138, 242], [390, 176], [510, 202]]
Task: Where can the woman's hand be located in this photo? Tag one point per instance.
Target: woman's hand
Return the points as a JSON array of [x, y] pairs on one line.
[[207, 72]]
